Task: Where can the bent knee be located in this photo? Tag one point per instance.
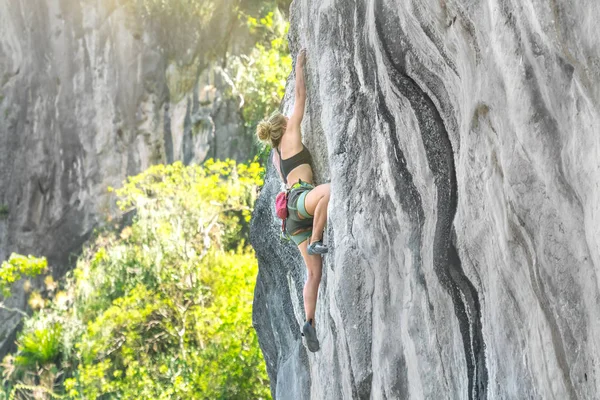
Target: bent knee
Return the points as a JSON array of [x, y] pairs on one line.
[[324, 197]]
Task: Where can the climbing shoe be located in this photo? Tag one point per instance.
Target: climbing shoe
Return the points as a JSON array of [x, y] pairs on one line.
[[310, 334], [316, 248]]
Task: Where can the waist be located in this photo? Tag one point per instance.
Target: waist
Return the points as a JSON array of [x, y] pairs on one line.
[[302, 173], [302, 184]]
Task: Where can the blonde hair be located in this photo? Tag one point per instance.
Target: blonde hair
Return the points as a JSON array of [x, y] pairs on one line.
[[270, 130]]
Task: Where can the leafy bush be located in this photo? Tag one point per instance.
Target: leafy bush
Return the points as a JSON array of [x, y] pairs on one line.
[[39, 346], [161, 309], [260, 76], [17, 267]]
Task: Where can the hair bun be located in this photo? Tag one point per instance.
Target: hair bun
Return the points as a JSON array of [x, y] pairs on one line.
[[272, 129], [263, 130]]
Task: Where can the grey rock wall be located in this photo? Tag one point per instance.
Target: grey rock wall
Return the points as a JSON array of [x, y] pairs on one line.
[[461, 141], [91, 92]]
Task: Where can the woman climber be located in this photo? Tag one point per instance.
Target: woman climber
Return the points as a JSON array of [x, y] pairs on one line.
[[307, 204]]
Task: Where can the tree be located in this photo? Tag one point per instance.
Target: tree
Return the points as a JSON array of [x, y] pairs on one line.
[[161, 309]]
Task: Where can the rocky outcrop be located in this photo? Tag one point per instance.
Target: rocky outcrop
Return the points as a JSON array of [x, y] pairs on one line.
[[91, 92], [461, 142]]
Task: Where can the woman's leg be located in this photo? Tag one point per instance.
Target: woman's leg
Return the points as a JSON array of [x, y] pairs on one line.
[[316, 205], [311, 287]]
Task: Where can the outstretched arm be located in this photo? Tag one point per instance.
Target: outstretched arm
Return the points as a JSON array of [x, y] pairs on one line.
[[300, 100]]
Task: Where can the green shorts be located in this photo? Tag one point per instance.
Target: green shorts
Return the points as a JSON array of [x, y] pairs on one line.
[[299, 222]]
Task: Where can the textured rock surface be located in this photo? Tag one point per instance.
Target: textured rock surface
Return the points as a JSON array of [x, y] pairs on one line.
[[90, 93], [461, 141]]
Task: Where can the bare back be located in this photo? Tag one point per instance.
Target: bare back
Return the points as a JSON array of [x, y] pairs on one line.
[[290, 145]]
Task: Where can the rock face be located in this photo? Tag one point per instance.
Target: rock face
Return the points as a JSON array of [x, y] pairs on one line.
[[461, 142], [91, 92]]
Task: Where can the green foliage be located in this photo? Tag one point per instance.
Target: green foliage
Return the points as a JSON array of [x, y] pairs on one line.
[[18, 267], [161, 309], [260, 76], [39, 346], [21, 391]]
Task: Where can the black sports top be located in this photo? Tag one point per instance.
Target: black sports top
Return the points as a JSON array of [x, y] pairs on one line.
[[287, 165]]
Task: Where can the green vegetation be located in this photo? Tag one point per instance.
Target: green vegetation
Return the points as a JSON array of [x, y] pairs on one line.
[[261, 75], [17, 267], [162, 308], [159, 310], [3, 210]]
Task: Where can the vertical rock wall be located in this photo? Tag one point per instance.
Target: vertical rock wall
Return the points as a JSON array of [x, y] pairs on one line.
[[91, 92], [461, 141]]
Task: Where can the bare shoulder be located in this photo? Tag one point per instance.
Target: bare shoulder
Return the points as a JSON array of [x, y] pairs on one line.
[[291, 142]]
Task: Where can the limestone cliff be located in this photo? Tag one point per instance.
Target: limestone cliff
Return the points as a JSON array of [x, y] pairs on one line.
[[90, 92], [461, 141]]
